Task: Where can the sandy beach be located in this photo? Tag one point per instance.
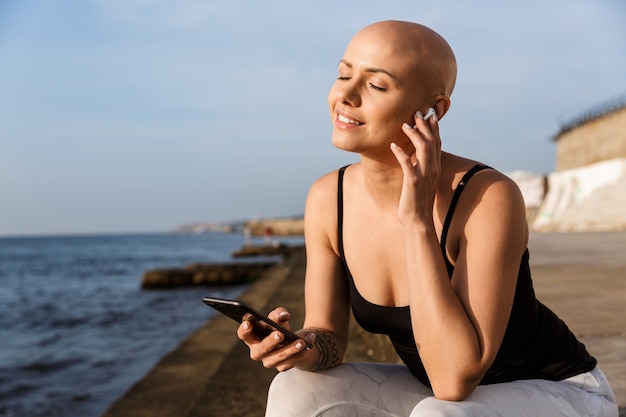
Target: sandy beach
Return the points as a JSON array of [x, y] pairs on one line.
[[581, 276]]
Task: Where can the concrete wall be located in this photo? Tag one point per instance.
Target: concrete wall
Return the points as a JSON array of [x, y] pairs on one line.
[[594, 141], [573, 200]]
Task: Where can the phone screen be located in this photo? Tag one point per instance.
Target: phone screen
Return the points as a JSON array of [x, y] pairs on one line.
[[263, 326]]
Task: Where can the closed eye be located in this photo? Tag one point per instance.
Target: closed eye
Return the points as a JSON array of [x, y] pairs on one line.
[[377, 88], [374, 86]]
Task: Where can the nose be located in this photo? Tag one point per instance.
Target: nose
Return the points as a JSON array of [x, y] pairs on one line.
[[348, 92]]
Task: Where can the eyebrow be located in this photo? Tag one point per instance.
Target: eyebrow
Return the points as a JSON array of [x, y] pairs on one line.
[[369, 69]]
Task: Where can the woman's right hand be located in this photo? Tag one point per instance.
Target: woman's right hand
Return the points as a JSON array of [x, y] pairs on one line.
[[421, 169], [271, 350]]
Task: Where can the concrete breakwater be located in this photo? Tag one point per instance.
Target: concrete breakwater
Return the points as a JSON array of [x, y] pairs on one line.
[[266, 250], [204, 274], [218, 274]]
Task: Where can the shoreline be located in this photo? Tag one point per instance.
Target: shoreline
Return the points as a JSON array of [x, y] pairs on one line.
[[580, 276]]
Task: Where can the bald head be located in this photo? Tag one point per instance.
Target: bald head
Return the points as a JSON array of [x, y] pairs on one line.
[[432, 58]]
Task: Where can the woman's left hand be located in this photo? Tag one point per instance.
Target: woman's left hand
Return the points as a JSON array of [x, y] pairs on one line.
[[273, 350], [420, 169]]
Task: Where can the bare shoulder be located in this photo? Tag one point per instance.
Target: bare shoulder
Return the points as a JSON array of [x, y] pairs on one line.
[[494, 187], [488, 184], [320, 214], [490, 199], [489, 221], [324, 188]]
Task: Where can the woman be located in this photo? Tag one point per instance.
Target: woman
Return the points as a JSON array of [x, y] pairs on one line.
[[427, 247]]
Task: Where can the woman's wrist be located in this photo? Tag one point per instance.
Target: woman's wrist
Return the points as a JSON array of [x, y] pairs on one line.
[[326, 348]]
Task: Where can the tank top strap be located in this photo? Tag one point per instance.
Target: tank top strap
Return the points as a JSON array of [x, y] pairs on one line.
[[340, 209], [455, 199]]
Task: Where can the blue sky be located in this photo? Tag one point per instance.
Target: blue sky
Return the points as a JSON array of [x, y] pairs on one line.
[[141, 115]]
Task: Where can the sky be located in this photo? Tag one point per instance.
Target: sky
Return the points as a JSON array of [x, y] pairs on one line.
[[131, 116]]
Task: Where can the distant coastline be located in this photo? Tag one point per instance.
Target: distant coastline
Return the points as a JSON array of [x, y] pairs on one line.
[[280, 226]]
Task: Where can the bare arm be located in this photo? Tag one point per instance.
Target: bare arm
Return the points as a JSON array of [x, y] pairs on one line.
[[326, 299], [326, 294], [459, 324]]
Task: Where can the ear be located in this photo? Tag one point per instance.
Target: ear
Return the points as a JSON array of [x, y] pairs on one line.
[[442, 105]]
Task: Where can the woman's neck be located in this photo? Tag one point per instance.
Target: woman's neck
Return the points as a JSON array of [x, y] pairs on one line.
[[382, 181]]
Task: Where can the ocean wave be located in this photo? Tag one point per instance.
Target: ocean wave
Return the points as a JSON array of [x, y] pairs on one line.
[[112, 317], [10, 390], [49, 340], [49, 364]]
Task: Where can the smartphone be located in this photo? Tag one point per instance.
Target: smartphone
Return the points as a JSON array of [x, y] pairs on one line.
[[263, 326]]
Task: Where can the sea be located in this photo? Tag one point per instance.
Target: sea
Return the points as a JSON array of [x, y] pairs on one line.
[[76, 328]]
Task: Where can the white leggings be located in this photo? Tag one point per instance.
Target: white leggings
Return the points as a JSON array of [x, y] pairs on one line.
[[370, 389]]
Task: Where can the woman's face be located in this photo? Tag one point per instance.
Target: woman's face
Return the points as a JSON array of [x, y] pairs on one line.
[[378, 89]]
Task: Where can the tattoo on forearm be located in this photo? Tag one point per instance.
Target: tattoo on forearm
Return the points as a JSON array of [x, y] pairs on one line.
[[329, 354]]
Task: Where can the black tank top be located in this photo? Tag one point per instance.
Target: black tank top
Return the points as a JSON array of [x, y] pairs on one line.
[[536, 344]]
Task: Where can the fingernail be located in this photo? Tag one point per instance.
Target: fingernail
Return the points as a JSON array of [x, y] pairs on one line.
[[311, 336], [393, 146], [283, 315], [435, 118], [406, 125], [419, 114], [246, 325], [276, 336], [299, 345]]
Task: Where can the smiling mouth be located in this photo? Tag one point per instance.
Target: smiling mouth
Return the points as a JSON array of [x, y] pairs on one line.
[[344, 119]]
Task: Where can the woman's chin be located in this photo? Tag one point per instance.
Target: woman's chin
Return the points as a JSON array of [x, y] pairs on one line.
[[345, 145]]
